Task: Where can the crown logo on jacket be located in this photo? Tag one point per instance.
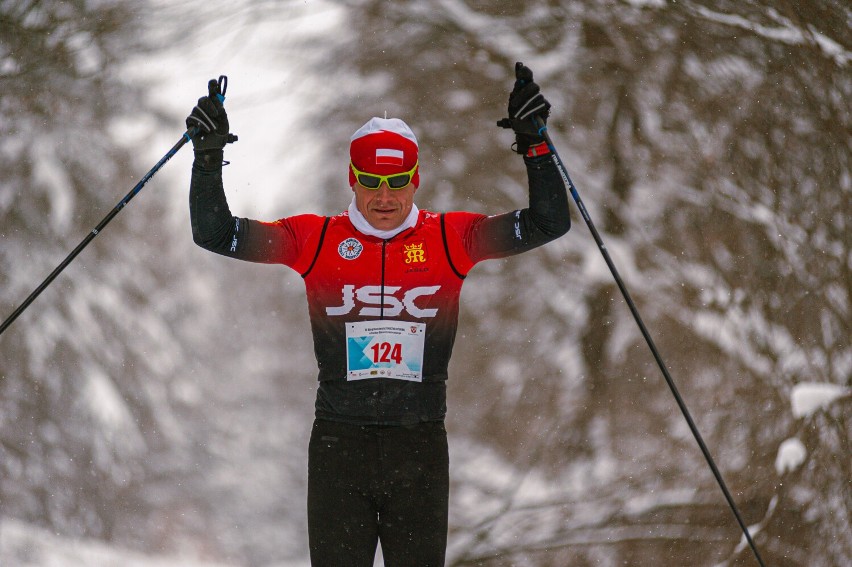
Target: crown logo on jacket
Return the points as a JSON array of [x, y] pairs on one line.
[[414, 253]]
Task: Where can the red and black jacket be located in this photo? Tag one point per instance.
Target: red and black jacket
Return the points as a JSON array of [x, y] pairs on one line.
[[349, 276]]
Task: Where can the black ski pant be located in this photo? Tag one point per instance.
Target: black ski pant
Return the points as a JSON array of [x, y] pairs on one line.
[[373, 483]]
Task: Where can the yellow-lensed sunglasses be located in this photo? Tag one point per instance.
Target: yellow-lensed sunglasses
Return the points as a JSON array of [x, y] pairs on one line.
[[395, 182]]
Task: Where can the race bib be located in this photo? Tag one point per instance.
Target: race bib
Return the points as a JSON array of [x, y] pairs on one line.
[[385, 349]]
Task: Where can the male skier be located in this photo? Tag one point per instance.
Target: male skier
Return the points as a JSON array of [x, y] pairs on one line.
[[382, 280]]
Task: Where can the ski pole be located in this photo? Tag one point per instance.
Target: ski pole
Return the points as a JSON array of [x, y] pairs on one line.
[[187, 136], [96, 230], [542, 130]]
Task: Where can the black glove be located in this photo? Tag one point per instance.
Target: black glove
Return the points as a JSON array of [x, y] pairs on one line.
[[210, 119], [525, 104]]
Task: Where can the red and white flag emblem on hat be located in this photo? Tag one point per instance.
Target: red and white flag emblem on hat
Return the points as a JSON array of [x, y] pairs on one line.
[[387, 156], [384, 146]]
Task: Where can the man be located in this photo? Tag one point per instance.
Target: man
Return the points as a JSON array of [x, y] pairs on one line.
[[383, 281]]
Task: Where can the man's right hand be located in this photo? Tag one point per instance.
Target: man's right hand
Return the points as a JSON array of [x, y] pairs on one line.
[[211, 121]]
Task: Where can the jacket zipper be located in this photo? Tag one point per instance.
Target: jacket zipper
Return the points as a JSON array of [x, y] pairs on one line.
[[381, 391], [382, 308]]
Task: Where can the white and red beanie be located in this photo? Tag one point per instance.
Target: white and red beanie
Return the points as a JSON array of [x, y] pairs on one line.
[[384, 146]]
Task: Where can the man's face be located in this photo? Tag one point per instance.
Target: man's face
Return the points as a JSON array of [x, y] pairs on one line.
[[384, 208]]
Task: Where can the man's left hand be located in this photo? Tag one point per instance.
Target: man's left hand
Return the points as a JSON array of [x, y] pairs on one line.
[[526, 103]]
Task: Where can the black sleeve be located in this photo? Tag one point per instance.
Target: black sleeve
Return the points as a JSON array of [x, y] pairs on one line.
[[545, 219], [214, 228]]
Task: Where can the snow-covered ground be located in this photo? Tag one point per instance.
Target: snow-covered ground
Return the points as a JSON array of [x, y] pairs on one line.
[[24, 545]]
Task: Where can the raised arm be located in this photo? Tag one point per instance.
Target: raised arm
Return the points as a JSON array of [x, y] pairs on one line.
[[214, 228], [547, 216]]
